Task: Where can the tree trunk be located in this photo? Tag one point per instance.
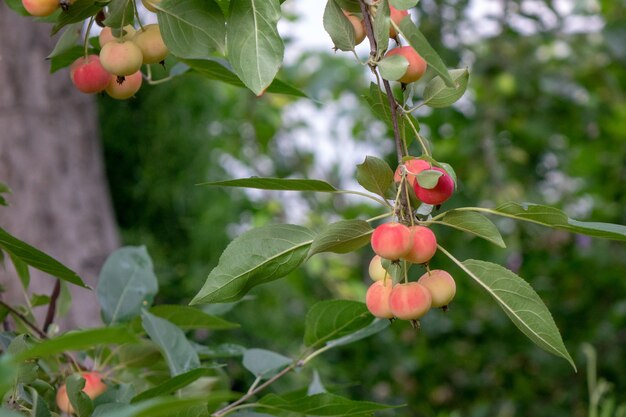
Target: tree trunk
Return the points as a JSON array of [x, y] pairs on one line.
[[51, 158]]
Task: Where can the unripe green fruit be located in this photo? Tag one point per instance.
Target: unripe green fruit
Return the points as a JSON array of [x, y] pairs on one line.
[[409, 301], [377, 299], [391, 240], [40, 8], [151, 43], [106, 35], [121, 89], [376, 270], [441, 286], [149, 4], [423, 245], [121, 58], [417, 65]]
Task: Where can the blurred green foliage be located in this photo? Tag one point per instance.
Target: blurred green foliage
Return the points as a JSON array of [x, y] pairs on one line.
[[544, 121]]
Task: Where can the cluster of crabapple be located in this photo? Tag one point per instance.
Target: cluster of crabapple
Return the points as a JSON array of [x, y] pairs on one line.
[[117, 70], [414, 244], [417, 65]]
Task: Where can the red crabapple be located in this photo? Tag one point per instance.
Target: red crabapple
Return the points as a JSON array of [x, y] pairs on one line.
[[88, 75], [441, 286], [121, 89], [391, 240], [440, 193], [423, 245], [376, 270], [377, 299], [413, 167], [151, 43], [417, 65], [409, 301], [41, 8], [121, 57], [396, 16], [93, 388]]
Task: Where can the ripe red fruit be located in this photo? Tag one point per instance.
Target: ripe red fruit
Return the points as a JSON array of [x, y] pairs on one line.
[[409, 301], [391, 240], [423, 245], [40, 8], [377, 299], [88, 74], [413, 166], [417, 65], [440, 193], [122, 89], [121, 58], [396, 16], [93, 388], [441, 286]]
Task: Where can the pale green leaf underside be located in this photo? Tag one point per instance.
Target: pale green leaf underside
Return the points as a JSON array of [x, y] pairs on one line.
[[332, 319], [338, 27], [343, 236], [278, 184], [437, 94]]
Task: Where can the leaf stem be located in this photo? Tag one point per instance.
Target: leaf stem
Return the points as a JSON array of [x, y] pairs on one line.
[[86, 40]]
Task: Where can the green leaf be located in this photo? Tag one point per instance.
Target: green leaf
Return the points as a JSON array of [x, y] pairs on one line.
[[17, 7], [190, 318], [263, 363], [215, 69], [21, 268], [376, 326], [37, 259], [126, 284], [349, 5], [256, 257], [279, 184], [39, 407], [374, 175], [38, 300], [332, 319], [225, 350], [173, 384], [343, 236], [79, 340], [418, 41], [120, 12], [438, 95], [66, 58], [521, 303], [428, 178], [77, 12], [404, 4], [323, 404], [192, 29], [316, 386], [338, 27], [474, 223], [255, 48], [156, 407], [381, 27], [393, 67], [9, 413], [8, 374], [555, 218], [82, 404], [67, 40], [179, 354]]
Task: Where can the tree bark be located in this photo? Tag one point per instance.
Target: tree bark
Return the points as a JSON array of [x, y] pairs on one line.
[[51, 158]]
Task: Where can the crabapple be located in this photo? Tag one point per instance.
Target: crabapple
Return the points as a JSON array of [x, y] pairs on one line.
[[413, 166], [377, 299], [93, 388], [396, 16], [359, 27], [409, 301], [106, 35], [121, 57], [150, 4], [123, 88], [417, 65], [423, 245], [151, 43], [440, 193], [441, 286], [88, 74], [40, 8], [376, 270], [391, 240]]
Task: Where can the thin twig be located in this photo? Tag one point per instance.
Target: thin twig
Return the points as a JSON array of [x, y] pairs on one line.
[[52, 307], [24, 320]]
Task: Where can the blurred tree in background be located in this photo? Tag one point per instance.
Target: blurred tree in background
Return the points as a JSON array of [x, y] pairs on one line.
[[544, 121]]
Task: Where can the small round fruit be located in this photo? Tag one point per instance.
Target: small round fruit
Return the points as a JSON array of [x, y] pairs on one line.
[[376, 270], [377, 299], [441, 286], [121, 89], [121, 57], [151, 43], [440, 193], [409, 301], [413, 167], [423, 245], [93, 388], [391, 240], [41, 8], [396, 16], [106, 35], [88, 75], [149, 4], [359, 27], [417, 65]]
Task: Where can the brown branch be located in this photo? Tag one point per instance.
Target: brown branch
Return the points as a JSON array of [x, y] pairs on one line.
[[52, 307], [24, 320]]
